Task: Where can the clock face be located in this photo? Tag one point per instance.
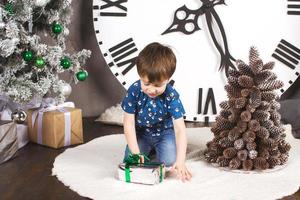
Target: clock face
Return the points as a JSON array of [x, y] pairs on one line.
[[123, 28]]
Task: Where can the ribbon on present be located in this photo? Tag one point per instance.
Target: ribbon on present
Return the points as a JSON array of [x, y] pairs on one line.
[[135, 160], [38, 114]]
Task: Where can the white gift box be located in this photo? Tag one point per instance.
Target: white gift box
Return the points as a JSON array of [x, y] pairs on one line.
[[148, 174], [22, 135]]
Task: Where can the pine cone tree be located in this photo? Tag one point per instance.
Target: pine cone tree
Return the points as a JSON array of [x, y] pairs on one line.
[[248, 132]]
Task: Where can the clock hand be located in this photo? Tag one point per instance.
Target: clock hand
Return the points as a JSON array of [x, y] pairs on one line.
[[226, 58], [191, 18]]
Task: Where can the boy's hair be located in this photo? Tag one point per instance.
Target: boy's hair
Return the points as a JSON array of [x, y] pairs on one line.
[[157, 62]]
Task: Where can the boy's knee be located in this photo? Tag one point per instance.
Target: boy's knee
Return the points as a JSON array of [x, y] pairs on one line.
[[169, 161]]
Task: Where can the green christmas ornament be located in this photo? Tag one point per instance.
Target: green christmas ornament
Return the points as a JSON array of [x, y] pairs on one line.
[[65, 63], [81, 75], [57, 28], [40, 62], [27, 55], [9, 8]]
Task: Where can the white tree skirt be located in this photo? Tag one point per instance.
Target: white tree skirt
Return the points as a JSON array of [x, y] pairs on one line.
[[89, 169]]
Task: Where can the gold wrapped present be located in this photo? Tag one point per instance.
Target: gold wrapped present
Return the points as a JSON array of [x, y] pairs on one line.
[[55, 127]]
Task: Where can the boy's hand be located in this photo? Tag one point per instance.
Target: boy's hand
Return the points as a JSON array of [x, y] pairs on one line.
[[182, 172]]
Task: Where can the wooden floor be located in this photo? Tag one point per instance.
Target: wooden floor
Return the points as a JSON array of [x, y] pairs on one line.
[[28, 175]]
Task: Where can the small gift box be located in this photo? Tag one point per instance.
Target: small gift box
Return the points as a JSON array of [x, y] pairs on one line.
[[56, 126], [8, 140], [148, 173]]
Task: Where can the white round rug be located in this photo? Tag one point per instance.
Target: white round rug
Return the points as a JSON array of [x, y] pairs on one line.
[[89, 169]]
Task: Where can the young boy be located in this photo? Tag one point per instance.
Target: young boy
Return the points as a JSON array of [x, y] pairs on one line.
[[153, 111]]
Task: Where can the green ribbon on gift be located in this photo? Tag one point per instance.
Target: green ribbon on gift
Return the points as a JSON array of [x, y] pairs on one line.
[[135, 160]]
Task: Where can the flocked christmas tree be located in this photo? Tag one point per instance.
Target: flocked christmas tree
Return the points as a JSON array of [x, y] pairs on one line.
[[30, 64], [248, 133]]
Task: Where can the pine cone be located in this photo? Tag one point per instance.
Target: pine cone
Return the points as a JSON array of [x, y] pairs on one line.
[[284, 147], [229, 152], [252, 154], [275, 105], [234, 134], [251, 146], [261, 115], [222, 161], [246, 116], [224, 105], [245, 92], [225, 113], [273, 162], [245, 81], [253, 56], [210, 156], [225, 142], [267, 124], [263, 133], [260, 163], [244, 69], [232, 91], [250, 108], [283, 158], [242, 155], [242, 126], [274, 115], [247, 165], [233, 72], [224, 133], [275, 131], [254, 125], [269, 66], [271, 144], [264, 153], [239, 144], [255, 98], [271, 85], [233, 81], [263, 76], [257, 66], [240, 102], [249, 136], [268, 95], [235, 163], [265, 106]]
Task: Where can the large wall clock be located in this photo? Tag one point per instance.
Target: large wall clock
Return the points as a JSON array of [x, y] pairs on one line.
[[205, 36]]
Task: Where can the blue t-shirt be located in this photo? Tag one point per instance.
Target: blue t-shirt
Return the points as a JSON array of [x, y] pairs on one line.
[[153, 115]]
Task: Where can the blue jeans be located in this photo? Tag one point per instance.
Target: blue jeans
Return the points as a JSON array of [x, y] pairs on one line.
[[164, 146]]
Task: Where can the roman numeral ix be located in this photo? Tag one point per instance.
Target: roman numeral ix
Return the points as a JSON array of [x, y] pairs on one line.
[[113, 8], [121, 55], [287, 53], [293, 7]]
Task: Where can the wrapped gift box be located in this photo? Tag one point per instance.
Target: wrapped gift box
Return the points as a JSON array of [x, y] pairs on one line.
[[22, 135], [148, 174], [58, 127], [8, 140]]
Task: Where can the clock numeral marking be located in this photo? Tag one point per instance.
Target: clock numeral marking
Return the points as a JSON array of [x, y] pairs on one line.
[[200, 101], [115, 7], [209, 99], [287, 53], [293, 9], [121, 52]]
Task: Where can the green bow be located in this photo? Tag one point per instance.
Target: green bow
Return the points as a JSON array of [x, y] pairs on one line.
[[134, 160]]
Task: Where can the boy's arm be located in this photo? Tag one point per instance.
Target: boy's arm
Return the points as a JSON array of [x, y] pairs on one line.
[[130, 134], [181, 141], [181, 144]]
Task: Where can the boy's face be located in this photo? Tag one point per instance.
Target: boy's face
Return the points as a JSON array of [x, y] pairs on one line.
[[153, 89]]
